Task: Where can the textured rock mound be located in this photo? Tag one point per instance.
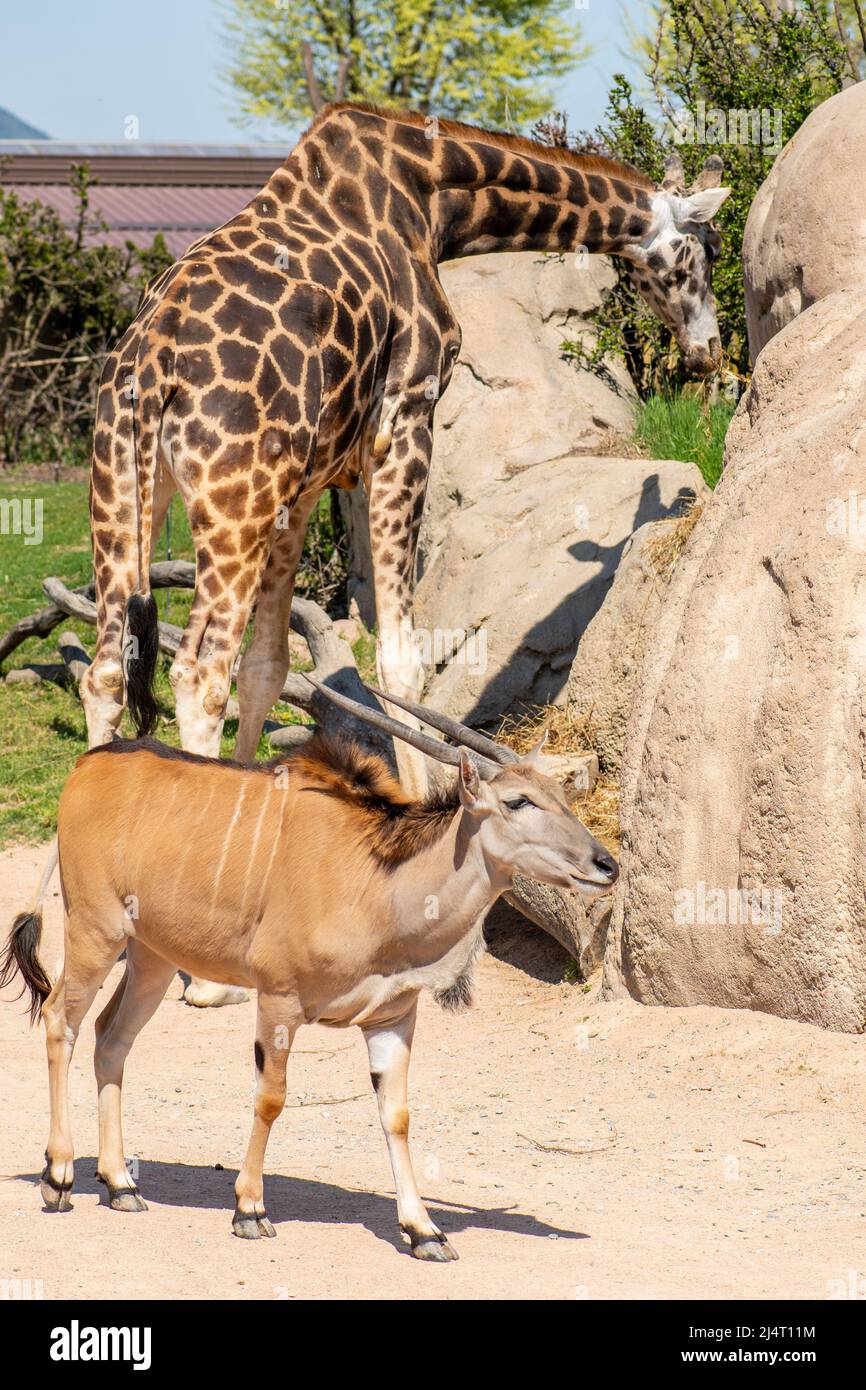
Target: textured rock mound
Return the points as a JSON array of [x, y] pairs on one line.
[[603, 676], [806, 232], [744, 796]]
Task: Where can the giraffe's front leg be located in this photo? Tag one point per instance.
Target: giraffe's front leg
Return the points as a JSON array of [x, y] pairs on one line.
[[264, 664], [396, 497], [227, 580]]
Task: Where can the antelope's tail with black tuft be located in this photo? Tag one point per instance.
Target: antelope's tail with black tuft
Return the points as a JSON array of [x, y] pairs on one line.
[[19, 955]]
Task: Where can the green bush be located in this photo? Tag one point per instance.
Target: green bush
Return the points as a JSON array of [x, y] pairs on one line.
[[734, 56], [64, 300]]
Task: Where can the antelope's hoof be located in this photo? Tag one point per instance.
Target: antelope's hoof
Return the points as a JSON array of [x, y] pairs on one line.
[[251, 1227], [55, 1195], [126, 1199], [434, 1248], [204, 995]]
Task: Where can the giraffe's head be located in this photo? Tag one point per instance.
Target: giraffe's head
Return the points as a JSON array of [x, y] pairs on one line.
[[673, 265]]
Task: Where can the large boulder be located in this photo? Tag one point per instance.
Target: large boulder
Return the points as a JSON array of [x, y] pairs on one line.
[[806, 232], [524, 569], [743, 791], [513, 401]]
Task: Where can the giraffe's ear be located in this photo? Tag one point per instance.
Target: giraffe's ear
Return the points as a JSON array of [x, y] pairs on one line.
[[699, 207]]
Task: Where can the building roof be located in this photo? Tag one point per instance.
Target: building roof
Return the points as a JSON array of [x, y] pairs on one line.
[[182, 191]]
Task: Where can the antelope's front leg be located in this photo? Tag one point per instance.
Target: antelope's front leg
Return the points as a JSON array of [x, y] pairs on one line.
[[276, 1024], [396, 490], [389, 1049]]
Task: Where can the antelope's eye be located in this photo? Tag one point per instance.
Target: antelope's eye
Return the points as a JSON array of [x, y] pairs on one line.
[[519, 803]]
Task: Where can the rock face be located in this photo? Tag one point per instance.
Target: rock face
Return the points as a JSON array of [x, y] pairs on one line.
[[806, 232], [745, 759], [604, 673], [513, 402], [525, 522], [525, 569]]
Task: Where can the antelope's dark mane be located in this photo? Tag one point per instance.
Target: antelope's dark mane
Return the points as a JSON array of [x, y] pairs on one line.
[[519, 144], [392, 826]]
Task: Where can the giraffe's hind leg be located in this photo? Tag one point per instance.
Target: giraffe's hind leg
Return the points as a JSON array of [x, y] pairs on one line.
[[115, 567], [114, 539]]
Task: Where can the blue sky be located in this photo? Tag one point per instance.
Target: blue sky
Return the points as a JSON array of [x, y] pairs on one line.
[[78, 70]]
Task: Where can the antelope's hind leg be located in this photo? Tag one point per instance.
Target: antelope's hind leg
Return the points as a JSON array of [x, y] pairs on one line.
[[389, 1049], [90, 954], [279, 1017], [136, 999]]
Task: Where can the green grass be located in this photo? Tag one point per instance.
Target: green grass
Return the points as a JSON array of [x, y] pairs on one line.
[[42, 728], [682, 427]]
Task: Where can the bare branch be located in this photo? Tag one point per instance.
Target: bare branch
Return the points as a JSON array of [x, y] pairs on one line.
[[317, 101]]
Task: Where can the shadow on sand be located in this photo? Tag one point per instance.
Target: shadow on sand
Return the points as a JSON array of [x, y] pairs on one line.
[[305, 1199]]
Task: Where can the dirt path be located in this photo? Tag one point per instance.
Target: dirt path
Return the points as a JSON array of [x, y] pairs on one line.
[[721, 1154]]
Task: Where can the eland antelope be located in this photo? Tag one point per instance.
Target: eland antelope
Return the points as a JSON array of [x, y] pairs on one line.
[[315, 880]]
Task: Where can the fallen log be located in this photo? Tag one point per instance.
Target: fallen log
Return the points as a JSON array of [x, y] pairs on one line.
[[75, 658], [165, 574], [39, 624], [578, 924], [332, 658]]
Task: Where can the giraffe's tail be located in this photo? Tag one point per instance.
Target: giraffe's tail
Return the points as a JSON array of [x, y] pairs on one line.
[[141, 651]]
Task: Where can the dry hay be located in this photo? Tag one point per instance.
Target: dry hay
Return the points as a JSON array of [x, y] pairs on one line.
[[569, 731], [667, 545]]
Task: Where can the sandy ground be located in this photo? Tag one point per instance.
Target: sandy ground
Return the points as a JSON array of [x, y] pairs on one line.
[[570, 1149]]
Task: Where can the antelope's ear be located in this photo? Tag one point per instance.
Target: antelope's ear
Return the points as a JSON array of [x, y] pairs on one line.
[[468, 781], [700, 207]]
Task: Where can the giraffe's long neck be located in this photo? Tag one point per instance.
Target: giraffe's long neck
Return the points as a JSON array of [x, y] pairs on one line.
[[491, 198], [458, 190]]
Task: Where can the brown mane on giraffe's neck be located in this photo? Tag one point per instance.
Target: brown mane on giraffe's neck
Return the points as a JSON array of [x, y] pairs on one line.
[[517, 144]]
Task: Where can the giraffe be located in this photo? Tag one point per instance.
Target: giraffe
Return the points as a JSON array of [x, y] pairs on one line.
[[304, 345]]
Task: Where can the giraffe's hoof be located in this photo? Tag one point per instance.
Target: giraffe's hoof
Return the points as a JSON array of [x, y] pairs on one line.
[[204, 995], [249, 1226], [432, 1247], [55, 1195]]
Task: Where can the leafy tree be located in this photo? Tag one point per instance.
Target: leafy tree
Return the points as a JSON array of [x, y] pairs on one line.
[[491, 61], [732, 56], [65, 297]]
